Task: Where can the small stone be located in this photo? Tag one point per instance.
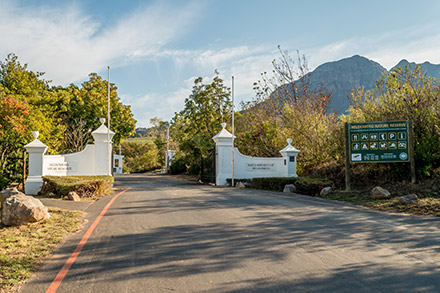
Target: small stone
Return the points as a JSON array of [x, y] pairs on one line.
[[289, 188], [409, 198], [72, 195], [380, 193], [240, 185], [326, 191]]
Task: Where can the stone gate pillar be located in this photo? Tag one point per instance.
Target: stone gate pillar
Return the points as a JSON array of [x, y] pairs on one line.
[[36, 150]]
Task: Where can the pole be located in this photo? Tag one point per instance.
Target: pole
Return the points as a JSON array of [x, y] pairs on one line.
[[233, 130], [167, 160], [412, 162], [108, 124], [347, 157]]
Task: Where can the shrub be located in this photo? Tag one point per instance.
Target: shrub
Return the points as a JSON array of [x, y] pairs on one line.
[[304, 185], [84, 186]]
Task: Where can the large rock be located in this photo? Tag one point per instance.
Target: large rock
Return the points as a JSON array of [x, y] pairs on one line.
[[409, 198], [289, 188], [380, 193], [326, 191], [4, 194], [22, 209]]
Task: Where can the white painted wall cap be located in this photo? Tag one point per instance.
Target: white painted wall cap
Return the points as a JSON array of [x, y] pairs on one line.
[[102, 130], [35, 144]]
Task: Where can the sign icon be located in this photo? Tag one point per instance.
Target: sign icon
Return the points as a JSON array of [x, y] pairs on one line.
[[356, 147], [364, 137], [383, 145], [403, 156], [392, 145], [373, 145], [402, 135], [383, 136], [356, 157], [391, 136], [355, 137], [364, 146], [402, 144], [373, 136]]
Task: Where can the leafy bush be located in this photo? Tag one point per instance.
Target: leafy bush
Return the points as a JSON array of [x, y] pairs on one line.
[[84, 186], [178, 166], [304, 185], [139, 157]]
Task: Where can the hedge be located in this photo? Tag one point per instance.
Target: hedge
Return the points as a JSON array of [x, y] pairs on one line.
[[304, 185], [84, 186]]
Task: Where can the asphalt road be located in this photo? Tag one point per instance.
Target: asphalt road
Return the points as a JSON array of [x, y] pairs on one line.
[[166, 235]]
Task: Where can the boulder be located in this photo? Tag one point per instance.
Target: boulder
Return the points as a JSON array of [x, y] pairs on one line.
[[240, 185], [4, 194], [380, 193], [326, 191], [289, 188], [409, 198], [72, 195], [22, 209]]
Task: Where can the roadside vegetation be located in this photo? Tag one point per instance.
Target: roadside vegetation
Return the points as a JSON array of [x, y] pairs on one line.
[[64, 116], [91, 187], [24, 247]]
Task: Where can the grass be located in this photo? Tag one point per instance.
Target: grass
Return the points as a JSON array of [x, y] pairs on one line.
[[24, 247], [425, 206], [139, 139]]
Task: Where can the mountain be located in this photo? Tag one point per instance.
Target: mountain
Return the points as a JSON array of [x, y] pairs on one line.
[[429, 68], [340, 77]]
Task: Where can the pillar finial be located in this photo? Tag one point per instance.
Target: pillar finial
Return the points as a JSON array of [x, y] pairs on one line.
[[35, 134], [223, 125]]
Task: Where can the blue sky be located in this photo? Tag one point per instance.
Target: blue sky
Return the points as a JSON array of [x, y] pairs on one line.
[[156, 49]]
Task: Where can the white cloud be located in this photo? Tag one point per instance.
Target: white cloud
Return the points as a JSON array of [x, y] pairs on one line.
[[416, 44], [68, 45]]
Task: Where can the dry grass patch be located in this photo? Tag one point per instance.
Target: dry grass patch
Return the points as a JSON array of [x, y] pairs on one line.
[[23, 247]]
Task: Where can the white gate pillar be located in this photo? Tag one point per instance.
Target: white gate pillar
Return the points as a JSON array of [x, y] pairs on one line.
[[103, 149], [36, 150], [223, 156], [289, 154]]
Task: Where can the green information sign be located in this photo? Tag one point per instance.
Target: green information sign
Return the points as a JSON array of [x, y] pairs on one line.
[[378, 142]]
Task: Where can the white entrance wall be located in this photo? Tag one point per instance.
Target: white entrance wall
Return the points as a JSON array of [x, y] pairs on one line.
[[93, 160], [246, 167]]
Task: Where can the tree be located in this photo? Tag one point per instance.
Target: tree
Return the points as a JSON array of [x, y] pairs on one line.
[[13, 115], [205, 109], [286, 106], [89, 103], [404, 94], [45, 105]]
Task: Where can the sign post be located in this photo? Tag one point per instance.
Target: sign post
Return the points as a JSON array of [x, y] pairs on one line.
[[379, 142]]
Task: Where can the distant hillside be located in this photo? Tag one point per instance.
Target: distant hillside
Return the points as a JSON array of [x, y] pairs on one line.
[[429, 68], [340, 77]]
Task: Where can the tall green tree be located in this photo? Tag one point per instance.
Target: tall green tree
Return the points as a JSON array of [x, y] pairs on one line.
[[87, 104], [205, 109], [45, 105]]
